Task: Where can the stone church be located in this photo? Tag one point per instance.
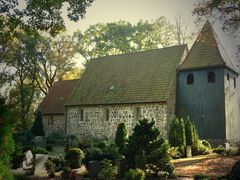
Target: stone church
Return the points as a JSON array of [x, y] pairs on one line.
[[159, 85]]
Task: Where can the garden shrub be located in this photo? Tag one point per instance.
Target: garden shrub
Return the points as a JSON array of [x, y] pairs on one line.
[[108, 170], [55, 138], [134, 174], [50, 166], [18, 176], [66, 172], [17, 157], [206, 144], [174, 153], [49, 147], [146, 140], [121, 137], [74, 157], [39, 150], [58, 161], [37, 128], [141, 161], [177, 137], [202, 149], [219, 150]]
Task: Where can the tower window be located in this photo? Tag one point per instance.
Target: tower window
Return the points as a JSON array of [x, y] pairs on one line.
[[211, 77], [190, 79], [81, 115], [234, 81]]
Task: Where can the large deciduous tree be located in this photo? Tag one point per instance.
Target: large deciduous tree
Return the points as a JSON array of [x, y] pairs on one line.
[[42, 15], [123, 37]]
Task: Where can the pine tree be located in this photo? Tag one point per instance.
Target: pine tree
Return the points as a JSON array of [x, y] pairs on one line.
[[37, 128], [121, 137]]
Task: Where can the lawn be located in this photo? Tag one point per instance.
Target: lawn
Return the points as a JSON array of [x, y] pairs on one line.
[[57, 150]]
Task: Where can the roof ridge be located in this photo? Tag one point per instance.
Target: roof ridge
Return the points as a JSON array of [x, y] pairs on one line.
[[137, 52]]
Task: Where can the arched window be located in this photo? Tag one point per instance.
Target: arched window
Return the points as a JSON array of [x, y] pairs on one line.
[[190, 79], [211, 77], [234, 82], [228, 77]]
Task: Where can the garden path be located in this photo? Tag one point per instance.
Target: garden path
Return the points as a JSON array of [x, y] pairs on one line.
[[39, 165]]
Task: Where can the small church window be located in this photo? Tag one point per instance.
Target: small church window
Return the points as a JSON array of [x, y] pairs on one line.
[[190, 79], [228, 77], [81, 115], [211, 77], [234, 81], [50, 120], [107, 114]]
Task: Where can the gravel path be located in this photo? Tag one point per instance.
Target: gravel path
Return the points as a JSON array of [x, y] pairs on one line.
[[39, 165]]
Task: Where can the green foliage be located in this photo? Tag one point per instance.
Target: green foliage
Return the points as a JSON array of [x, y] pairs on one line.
[[121, 137], [177, 137], [74, 157], [135, 174], [109, 152], [55, 138], [206, 144], [219, 150], [108, 170], [147, 141], [50, 166], [58, 161], [30, 16], [17, 157], [37, 128], [174, 153], [6, 141], [39, 150]]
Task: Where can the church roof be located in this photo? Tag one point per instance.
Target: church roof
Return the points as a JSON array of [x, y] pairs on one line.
[[207, 51], [130, 78], [54, 101]]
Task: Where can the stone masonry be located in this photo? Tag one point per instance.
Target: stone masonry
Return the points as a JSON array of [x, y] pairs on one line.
[[53, 124], [102, 121]]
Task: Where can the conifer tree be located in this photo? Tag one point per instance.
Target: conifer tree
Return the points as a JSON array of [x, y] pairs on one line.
[[121, 137], [37, 128]]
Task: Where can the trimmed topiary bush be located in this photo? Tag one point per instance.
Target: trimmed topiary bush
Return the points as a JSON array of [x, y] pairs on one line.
[[39, 150], [121, 137], [135, 174], [74, 157]]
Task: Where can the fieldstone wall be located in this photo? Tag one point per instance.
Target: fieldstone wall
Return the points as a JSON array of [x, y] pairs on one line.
[[102, 121], [54, 123]]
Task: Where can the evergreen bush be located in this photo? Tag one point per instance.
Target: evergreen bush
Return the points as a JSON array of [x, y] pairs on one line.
[[108, 170], [146, 141], [74, 157], [135, 174], [37, 128], [121, 137]]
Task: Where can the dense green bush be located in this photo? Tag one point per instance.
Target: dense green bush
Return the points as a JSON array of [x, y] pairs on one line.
[[55, 138], [50, 166], [121, 137], [74, 157], [49, 147], [66, 172], [17, 157], [37, 128], [109, 152], [177, 137], [146, 140], [39, 150], [135, 174], [220, 149], [108, 170], [58, 161], [6, 140]]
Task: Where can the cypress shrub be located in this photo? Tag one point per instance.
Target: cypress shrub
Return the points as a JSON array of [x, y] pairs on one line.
[[37, 128], [121, 137], [173, 133]]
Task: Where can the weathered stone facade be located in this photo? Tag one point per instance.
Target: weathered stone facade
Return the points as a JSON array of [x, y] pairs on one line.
[[53, 124], [102, 120], [232, 109]]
